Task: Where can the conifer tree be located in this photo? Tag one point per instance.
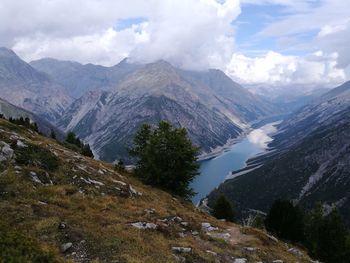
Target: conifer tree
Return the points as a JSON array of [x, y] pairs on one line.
[[71, 138], [166, 158], [53, 134], [286, 220], [332, 245], [223, 209], [86, 150]]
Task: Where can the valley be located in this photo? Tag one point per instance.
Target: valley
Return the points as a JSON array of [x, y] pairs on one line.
[[309, 163], [217, 169], [167, 131]]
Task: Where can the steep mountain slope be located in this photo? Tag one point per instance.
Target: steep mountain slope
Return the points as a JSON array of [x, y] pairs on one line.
[[211, 106], [22, 85], [59, 204], [238, 99], [9, 110], [311, 161], [77, 79]]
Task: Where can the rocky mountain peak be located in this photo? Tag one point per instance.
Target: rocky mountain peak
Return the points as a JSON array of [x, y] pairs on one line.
[[6, 52], [24, 86], [156, 78]]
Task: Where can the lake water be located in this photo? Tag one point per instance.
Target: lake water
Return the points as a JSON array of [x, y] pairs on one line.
[[214, 171]]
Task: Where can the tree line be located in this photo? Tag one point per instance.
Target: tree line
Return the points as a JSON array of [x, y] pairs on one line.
[[71, 137], [323, 234], [74, 140], [26, 122]]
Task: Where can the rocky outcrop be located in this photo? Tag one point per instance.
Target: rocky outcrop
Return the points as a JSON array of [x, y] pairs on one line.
[[6, 152]]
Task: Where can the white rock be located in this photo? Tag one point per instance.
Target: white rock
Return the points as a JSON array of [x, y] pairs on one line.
[[277, 261], [184, 223], [66, 246], [144, 225], [35, 178], [21, 144], [240, 260], [295, 251], [119, 182], [205, 225], [212, 252], [91, 181], [133, 192], [181, 249], [195, 233], [6, 152], [208, 227], [96, 182], [272, 238]]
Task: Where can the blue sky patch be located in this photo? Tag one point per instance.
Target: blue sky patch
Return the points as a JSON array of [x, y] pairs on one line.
[[128, 22]]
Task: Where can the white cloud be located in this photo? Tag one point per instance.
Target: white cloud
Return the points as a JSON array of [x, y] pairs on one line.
[[107, 47], [192, 34], [277, 69], [261, 137], [330, 20]]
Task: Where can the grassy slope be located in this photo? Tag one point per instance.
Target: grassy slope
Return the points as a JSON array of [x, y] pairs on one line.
[[98, 217]]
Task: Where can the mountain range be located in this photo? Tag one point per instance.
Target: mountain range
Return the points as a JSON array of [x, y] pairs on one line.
[[308, 162], [77, 79], [117, 100], [24, 86]]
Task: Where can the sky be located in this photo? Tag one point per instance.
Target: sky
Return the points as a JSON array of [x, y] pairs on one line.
[[275, 43]]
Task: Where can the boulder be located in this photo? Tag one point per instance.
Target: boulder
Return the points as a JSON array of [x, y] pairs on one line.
[[181, 249], [62, 226], [208, 227], [66, 246], [133, 192], [21, 144], [144, 225], [6, 152]]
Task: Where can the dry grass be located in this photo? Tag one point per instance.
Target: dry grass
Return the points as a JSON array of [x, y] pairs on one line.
[[98, 216]]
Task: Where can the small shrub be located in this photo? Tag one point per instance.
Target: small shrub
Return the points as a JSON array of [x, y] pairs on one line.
[[74, 143], [17, 247], [223, 209], [37, 156], [119, 166]]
